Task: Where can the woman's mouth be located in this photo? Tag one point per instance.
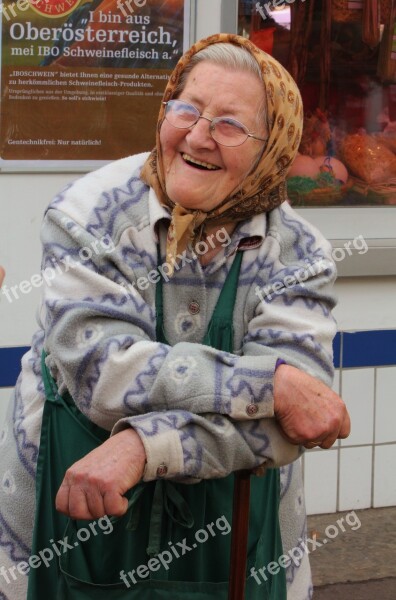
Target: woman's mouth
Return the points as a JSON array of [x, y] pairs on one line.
[[199, 164]]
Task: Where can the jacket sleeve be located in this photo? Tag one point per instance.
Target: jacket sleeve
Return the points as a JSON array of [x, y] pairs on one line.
[[295, 325], [208, 412]]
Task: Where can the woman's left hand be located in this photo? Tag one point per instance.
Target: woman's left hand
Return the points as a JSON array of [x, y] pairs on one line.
[[309, 413], [95, 485]]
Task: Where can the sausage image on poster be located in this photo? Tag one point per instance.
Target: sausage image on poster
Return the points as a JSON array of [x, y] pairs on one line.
[[83, 80]]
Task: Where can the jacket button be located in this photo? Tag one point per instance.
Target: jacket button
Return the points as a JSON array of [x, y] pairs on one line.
[[194, 308], [252, 409], [162, 470]]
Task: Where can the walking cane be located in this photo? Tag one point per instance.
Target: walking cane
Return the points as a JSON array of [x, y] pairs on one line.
[[239, 539]]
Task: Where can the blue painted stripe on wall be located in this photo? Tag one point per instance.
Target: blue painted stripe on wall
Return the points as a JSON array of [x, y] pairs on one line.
[[10, 364], [369, 348], [337, 350], [360, 349]]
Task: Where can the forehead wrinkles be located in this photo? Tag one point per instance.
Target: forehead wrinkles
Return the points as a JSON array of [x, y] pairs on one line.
[[221, 104], [225, 99]]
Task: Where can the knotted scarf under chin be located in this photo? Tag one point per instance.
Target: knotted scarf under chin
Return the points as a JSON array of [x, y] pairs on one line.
[[182, 232]]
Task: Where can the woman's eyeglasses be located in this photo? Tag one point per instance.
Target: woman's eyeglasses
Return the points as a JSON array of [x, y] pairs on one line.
[[224, 131]]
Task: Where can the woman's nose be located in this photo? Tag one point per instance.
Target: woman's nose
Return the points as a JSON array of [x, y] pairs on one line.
[[199, 135]]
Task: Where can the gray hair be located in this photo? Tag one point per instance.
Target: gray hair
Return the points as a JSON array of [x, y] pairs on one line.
[[230, 57], [226, 55]]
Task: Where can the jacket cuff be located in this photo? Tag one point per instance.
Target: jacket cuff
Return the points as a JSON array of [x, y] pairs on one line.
[[164, 452], [251, 403]]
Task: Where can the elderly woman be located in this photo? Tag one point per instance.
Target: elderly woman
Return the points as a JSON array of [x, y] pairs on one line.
[[195, 342]]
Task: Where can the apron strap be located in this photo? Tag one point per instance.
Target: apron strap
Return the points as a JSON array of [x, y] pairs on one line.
[[159, 305], [220, 332], [167, 499], [225, 304], [49, 384]]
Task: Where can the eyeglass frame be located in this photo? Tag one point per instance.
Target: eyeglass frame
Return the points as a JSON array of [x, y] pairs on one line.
[[212, 126]]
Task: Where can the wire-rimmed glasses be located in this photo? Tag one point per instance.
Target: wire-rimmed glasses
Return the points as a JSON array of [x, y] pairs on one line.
[[224, 130]]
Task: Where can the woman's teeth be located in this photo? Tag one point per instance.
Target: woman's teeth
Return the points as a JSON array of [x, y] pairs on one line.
[[199, 163]]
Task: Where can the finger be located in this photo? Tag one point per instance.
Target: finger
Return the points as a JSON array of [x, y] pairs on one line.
[[94, 500], [62, 499], [311, 445], [115, 504], [78, 505], [345, 429], [329, 441]]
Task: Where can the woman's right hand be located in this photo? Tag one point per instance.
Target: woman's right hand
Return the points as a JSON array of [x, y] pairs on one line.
[[95, 485], [309, 413]]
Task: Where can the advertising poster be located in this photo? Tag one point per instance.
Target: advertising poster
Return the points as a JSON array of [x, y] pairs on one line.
[[82, 80]]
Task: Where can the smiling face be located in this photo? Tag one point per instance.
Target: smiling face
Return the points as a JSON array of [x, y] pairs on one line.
[[198, 172]]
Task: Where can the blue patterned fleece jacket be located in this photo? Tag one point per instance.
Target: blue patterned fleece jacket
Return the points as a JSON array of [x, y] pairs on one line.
[[190, 404]]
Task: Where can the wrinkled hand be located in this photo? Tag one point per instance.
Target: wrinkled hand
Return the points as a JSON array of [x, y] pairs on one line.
[[95, 485], [309, 412]]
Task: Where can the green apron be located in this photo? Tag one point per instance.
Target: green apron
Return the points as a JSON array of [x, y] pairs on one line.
[[187, 525]]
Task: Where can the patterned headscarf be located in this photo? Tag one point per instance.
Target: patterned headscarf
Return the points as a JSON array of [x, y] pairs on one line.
[[265, 187]]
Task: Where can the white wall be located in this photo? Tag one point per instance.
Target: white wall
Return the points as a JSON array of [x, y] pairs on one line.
[[208, 17], [24, 198], [366, 303]]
